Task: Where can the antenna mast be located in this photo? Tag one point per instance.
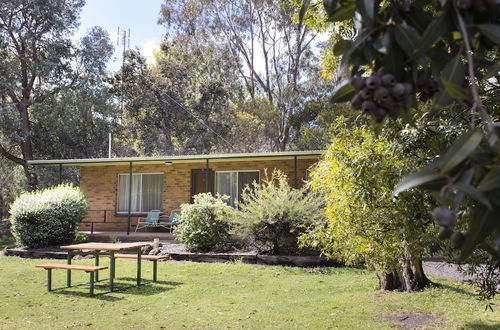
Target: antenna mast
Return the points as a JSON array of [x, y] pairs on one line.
[[123, 38]]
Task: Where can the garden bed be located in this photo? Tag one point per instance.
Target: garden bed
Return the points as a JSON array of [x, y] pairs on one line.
[[178, 252]]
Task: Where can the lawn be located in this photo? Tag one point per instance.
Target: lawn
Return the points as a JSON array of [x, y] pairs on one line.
[[201, 296]]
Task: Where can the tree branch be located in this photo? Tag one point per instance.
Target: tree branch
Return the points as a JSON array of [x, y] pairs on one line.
[[477, 104], [10, 156]]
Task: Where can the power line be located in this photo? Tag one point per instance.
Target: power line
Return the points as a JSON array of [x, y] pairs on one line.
[[200, 120]]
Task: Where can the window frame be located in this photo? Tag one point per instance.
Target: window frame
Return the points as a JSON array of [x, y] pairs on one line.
[[237, 179], [118, 212]]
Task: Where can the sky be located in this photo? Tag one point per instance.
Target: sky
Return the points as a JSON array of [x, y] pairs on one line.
[[139, 16]]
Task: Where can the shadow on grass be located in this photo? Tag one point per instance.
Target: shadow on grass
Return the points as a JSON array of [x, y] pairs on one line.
[[481, 325], [147, 288], [457, 290]]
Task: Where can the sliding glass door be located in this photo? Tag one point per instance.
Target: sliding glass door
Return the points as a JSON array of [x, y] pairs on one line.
[[232, 183], [147, 192]]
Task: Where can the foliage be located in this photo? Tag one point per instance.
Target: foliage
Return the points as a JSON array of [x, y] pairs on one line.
[[274, 53], [37, 61], [365, 223], [215, 295], [274, 214], [48, 217], [81, 238], [204, 224], [440, 52]]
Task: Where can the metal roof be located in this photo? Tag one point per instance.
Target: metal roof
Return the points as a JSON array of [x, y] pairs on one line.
[[179, 159]]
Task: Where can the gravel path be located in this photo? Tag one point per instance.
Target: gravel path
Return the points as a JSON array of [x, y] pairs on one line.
[[444, 270]]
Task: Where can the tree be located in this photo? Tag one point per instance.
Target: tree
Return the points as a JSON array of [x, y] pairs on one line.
[[273, 49], [182, 99], [37, 61], [410, 52], [365, 223]]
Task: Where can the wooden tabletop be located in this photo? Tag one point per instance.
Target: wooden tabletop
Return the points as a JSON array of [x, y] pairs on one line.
[[104, 246]]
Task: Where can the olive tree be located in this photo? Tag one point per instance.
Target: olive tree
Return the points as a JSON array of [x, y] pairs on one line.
[[406, 53]]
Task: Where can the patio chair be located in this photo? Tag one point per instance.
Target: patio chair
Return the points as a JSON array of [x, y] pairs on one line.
[[171, 221], [150, 221]]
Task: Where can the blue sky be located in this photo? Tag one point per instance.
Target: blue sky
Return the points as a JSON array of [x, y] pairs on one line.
[[139, 16]]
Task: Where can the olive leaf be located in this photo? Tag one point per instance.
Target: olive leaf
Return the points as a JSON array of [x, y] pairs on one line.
[[461, 149], [343, 13], [343, 93], [439, 27], [416, 179], [453, 72], [367, 10], [491, 181], [454, 91], [482, 224], [407, 37], [473, 193], [491, 31]]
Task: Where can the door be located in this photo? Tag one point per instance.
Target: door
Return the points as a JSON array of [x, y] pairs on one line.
[[198, 178]]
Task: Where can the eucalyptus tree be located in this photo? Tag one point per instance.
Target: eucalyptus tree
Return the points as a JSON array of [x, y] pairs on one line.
[[37, 61], [274, 50], [179, 103]]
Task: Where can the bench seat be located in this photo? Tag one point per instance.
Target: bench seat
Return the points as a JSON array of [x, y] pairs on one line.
[[73, 267], [89, 269]]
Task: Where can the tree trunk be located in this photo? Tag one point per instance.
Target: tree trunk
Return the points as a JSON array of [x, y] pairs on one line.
[[408, 277]]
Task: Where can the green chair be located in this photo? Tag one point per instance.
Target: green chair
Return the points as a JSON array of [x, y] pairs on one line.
[[171, 221], [150, 221]]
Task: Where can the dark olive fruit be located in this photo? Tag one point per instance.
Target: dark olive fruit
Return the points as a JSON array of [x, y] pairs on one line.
[[369, 106], [381, 94], [444, 216], [356, 102], [390, 105], [457, 240], [444, 232], [408, 88], [358, 83], [398, 91], [464, 4], [373, 81], [388, 80], [380, 114], [366, 93]]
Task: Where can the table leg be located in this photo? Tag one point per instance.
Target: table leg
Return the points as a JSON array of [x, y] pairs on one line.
[[97, 264], [68, 272], [92, 283], [111, 269], [155, 269], [139, 252], [49, 279]]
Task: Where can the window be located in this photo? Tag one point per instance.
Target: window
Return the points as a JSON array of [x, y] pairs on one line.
[[147, 190], [233, 183]]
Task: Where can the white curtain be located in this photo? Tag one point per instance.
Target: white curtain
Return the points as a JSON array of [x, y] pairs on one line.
[[226, 183], [123, 185]]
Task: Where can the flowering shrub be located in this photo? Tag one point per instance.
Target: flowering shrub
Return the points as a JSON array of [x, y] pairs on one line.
[[48, 217], [204, 224]]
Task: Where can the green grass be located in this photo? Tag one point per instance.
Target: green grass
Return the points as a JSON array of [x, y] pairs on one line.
[[201, 296]]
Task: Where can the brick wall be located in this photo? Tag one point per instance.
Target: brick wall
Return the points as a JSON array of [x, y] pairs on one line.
[[100, 183]]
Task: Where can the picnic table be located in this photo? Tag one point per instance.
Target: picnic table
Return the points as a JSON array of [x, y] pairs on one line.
[[104, 249]]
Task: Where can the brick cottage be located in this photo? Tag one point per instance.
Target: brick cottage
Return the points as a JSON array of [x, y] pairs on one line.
[[164, 183]]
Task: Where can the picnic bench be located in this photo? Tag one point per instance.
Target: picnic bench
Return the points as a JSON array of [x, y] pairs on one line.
[[96, 249], [89, 269]]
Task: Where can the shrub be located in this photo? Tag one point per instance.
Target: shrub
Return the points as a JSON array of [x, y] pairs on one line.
[[204, 224], [276, 214], [48, 217], [81, 238]]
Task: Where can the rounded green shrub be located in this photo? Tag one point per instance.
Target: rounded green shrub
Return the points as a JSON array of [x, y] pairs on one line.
[[204, 224], [48, 217]]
